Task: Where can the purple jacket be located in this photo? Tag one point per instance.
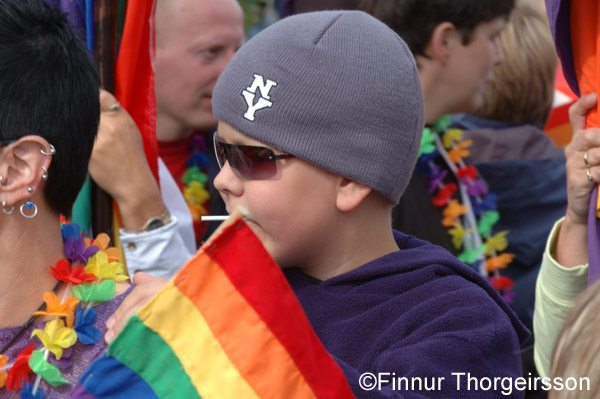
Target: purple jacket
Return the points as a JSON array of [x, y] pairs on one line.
[[418, 312]]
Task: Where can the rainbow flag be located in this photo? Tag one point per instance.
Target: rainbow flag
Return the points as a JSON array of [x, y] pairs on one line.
[[134, 76], [228, 325]]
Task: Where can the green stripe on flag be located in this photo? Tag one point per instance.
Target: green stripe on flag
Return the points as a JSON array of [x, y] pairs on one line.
[[153, 359]]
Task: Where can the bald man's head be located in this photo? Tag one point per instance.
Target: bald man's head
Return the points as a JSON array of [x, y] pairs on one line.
[[194, 41]]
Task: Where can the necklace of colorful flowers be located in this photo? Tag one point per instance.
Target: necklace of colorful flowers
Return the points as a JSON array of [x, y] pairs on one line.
[[470, 217], [91, 270], [195, 179]]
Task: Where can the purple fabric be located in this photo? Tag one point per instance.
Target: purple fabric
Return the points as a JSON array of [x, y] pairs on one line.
[[74, 12], [417, 312], [285, 9], [559, 15], [82, 355], [593, 240], [80, 393]]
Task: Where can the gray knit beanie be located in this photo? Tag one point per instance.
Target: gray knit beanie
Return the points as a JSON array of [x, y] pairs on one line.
[[338, 89]]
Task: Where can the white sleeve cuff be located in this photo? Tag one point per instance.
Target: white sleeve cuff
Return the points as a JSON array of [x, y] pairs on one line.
[[160, 252]]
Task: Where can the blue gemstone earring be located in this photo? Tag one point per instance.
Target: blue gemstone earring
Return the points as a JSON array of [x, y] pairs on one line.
[[29, 210]]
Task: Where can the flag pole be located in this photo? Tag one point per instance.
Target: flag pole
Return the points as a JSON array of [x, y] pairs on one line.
[[105, 55]]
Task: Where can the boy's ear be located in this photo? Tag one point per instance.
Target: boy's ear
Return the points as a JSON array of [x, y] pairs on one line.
[[442, 43], [21, 165], [350, 194]]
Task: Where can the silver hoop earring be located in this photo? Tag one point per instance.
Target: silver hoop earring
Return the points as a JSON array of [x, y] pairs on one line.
[[44, 175], [7, 212], [51, 152], [29, 205]]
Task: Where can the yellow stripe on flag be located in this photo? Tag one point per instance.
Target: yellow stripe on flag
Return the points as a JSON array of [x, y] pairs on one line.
[[243, 334], [192, 341]]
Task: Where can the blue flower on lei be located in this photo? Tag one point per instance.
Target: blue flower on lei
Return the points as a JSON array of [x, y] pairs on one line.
[[487, 203], [84, 325], [27, 392]]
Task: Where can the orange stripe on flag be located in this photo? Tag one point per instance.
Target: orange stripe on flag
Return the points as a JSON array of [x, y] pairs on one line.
[[183, 328], [241, 332]]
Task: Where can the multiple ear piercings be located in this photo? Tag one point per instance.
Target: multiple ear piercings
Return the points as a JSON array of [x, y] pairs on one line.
[[28, 210], [45, 174]]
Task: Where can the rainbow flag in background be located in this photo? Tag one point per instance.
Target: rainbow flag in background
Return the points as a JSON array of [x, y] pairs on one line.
[[134, 76], [228, 325]]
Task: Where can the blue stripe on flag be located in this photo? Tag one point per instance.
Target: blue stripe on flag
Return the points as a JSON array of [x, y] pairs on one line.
[[130, 384]]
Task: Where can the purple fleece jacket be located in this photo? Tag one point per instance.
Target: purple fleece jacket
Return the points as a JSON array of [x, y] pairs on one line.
[[420, 313]]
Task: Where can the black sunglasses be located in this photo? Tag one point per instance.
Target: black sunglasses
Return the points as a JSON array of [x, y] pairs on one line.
[[247, 161]]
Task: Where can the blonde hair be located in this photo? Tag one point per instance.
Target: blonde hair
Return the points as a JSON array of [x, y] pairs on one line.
[[577, 351], [522, 87]]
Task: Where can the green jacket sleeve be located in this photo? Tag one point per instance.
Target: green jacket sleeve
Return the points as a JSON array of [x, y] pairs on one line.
[[556, 291]]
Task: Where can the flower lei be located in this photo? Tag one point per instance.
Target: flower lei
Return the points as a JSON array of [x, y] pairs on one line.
[[195, 179], [73, 318], [470, 217]]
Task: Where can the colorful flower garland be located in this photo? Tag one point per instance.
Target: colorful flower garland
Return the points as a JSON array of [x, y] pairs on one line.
[[470, 217], [73, 318], [195, 179]]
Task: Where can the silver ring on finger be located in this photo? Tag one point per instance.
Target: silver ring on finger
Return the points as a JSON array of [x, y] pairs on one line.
[[589, 174], [585, 160]]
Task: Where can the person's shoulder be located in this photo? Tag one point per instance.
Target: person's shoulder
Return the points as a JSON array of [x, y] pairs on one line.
[[462, 285], [417, 253], [428, 272], [417, 264], [443, 268]]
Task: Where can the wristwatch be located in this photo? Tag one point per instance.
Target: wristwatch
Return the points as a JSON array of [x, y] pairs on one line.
[[153, 223]]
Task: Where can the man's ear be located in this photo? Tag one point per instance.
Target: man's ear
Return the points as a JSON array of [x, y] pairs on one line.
[[444, 39], [350, 194], [23, 166]]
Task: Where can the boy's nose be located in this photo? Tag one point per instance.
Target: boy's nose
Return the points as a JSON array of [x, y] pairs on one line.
[[228, 183]]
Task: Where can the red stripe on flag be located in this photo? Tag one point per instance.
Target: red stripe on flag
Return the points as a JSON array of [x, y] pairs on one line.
[[134, 86], [245, 260]]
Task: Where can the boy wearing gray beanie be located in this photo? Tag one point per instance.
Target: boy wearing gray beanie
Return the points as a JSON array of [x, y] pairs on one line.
[[320, 120]]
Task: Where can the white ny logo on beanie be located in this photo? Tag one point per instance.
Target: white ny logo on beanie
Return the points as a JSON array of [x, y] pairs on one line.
[[263, 101]]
